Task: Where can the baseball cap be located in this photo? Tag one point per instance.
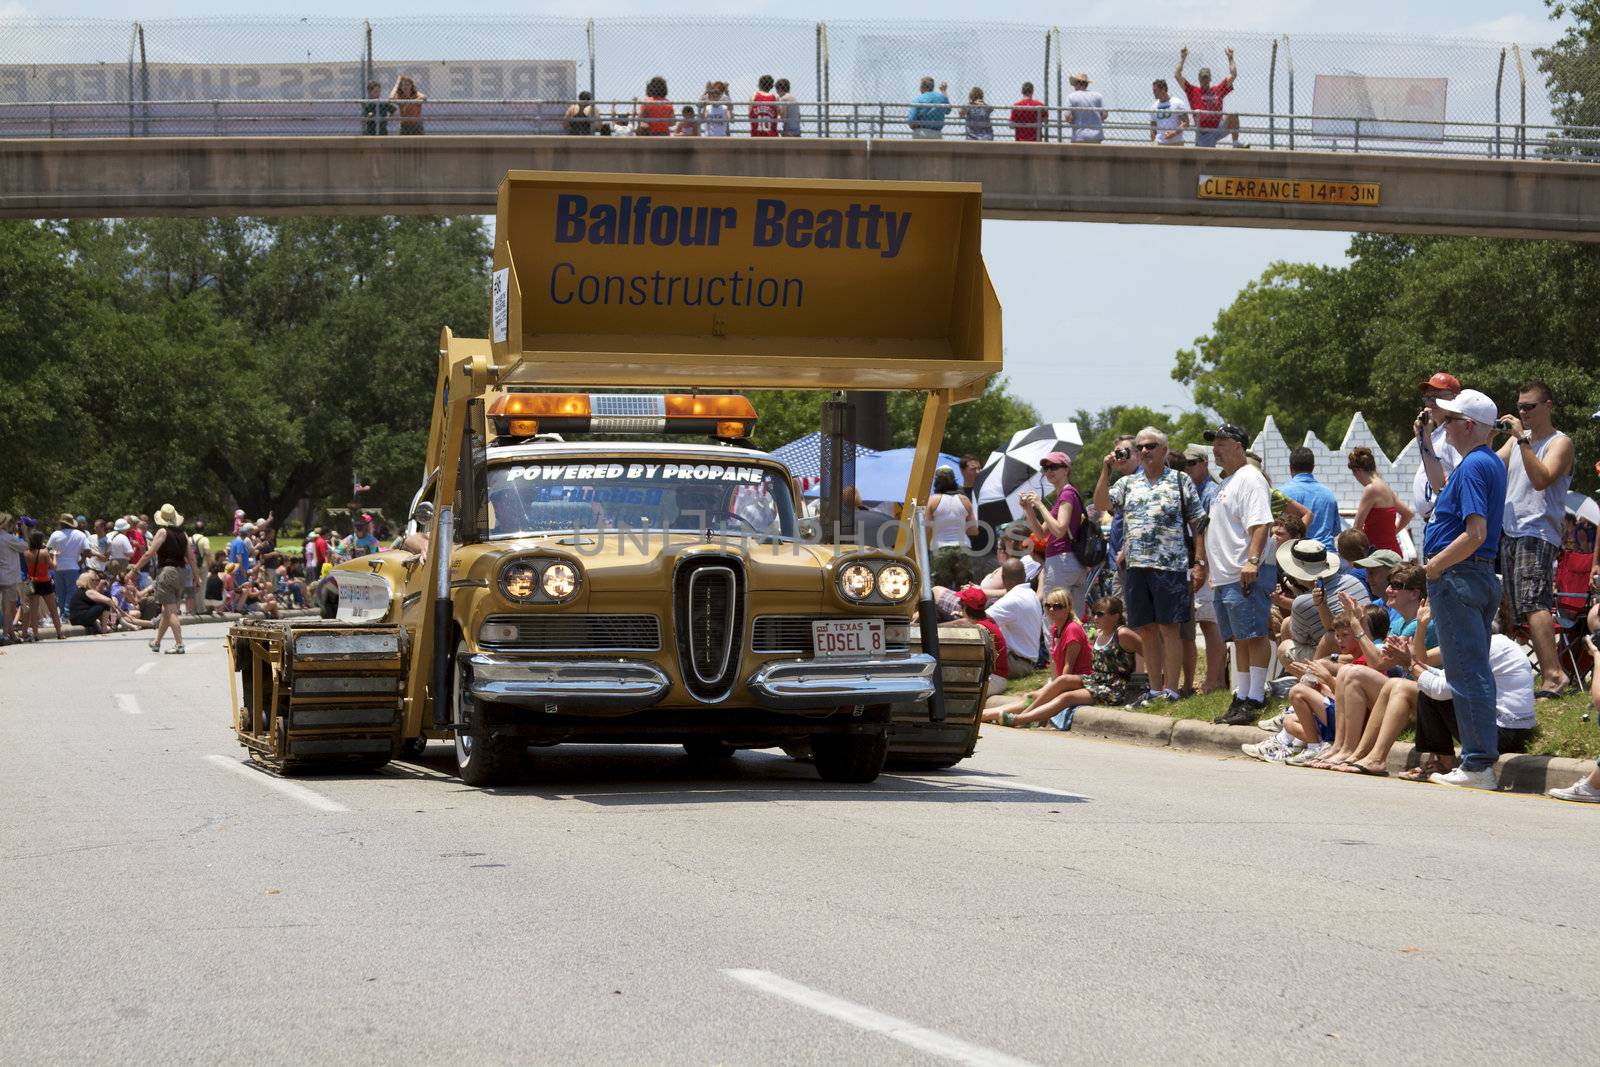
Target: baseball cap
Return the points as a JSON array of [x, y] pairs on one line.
[[1383, 557], [1474, 405], [972, 597], [1440, 380], [120, 525], [364, 517], [1227, 430], [1060, 459]]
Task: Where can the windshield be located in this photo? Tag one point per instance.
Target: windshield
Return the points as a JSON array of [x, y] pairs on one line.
[[634, 495]]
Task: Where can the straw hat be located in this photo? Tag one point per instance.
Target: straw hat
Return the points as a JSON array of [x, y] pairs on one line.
[[168, 516], [68, 521], [1307, 559], [1079, 79]]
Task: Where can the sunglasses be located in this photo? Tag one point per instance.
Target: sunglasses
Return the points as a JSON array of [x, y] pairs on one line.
[[1529, 405], [1055, 607], [1194, 463], [1052, 467], [1147, 447]]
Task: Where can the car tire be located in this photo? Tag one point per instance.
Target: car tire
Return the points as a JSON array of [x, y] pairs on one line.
[[481, 760], [850, 757]]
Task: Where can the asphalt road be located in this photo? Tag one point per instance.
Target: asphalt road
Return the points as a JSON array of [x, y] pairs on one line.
[[1052, 900]]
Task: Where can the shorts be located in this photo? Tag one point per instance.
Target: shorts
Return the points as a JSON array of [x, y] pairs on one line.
[[44, 588], [1243, 616], [169, 587], [1208, 137], [1325, 727], [1153, 596], [1528, 569]]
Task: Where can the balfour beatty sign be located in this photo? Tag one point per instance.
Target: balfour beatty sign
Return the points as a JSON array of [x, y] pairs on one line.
[[609, 262]]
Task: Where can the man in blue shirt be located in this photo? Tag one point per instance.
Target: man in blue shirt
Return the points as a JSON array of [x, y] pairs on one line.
[[926, 115], [1463, 589], [1315, 497], [239, 552]]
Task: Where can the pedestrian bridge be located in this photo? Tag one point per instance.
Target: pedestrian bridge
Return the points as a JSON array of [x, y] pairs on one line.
[[1115, 182]]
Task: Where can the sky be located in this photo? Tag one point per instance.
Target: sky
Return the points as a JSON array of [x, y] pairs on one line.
[[1094, 313]]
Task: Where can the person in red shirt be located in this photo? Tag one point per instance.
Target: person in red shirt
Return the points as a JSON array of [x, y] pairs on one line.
[[1205, 103], [1027, 115], [655, 114], [764, 109], [974, 605]]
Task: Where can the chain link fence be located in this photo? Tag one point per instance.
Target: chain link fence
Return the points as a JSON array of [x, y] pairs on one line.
[[1304, 90]]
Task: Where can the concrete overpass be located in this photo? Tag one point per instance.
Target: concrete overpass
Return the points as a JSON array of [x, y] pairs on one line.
[[1107, 183]]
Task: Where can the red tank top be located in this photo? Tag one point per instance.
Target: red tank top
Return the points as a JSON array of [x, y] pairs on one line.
[[38, 565], [1380, 529], [763, 115]]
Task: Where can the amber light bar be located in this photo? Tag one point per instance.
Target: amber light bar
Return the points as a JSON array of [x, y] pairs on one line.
[[525, 414]]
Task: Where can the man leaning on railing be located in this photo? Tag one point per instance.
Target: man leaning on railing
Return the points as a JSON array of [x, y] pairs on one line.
[[927, 113]]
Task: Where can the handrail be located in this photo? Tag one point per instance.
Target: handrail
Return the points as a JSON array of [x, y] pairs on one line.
[[835, 119]]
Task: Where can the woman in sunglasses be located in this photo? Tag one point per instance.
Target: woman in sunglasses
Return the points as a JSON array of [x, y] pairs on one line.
[[1108, 683], [1058, 525]]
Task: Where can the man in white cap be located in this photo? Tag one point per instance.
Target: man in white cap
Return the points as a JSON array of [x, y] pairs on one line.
[[120, 547], [1463, 589], [1438, 458]]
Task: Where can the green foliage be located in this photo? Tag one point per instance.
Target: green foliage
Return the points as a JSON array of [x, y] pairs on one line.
[[203, 360], [1311, 346], [1572, 68], [1100, 429]]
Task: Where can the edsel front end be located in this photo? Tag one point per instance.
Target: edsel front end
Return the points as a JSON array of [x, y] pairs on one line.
[[649, 593]]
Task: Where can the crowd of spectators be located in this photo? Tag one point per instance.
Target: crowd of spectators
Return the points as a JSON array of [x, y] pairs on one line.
[[1359, 633], [142, 572], [773, 111]]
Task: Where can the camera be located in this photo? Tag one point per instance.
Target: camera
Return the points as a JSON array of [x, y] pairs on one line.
[[1595, 417], [1122, 453], [1503, 425]]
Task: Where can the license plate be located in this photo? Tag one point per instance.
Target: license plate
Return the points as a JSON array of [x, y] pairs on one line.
[[833, 638]]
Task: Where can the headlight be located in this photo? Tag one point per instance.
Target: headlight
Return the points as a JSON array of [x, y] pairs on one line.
[[894, 582], [856, 581], [560, 581], [516, 581]]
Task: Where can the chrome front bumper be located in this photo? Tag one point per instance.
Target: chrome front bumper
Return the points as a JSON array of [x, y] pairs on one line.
[[804, 684], [596, 685]]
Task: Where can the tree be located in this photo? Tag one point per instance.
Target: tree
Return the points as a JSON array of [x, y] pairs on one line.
[[1311, 346], [1571, 68]]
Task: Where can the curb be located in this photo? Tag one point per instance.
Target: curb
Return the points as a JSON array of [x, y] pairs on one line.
[[1517, 774], [195, 620]]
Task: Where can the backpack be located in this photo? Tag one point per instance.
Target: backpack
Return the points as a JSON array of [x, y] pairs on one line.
[[1089, 547]]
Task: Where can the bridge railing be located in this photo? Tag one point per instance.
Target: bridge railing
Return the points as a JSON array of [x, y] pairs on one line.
[[847, 120]]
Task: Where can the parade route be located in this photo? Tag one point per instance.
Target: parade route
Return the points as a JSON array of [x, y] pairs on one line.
[[1051, 900]]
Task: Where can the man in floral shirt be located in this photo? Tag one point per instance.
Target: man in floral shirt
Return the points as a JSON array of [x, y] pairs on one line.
[[1159, 507]]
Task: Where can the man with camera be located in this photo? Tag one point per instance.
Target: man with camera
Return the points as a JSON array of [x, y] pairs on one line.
[[1438, 458], [1462, 585], [1538, 460]]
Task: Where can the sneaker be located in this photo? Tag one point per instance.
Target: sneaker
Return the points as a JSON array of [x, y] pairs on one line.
[[1309, 753], [1272, 725], [1268, 751], [1150, 697], [1580, 792], [1171, 696], [1233, 706], [1483, 779], [1245, 713]]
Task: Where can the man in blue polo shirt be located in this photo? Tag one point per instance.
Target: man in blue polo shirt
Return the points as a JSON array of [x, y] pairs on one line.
[[1304, 489], [1463, 589]]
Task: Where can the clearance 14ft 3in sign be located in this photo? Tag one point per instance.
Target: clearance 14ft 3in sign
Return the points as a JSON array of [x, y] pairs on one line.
[[1288, 190]]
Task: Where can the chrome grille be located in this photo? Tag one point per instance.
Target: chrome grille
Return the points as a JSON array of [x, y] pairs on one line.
[[775, 634], [576, 633], [708, 610]]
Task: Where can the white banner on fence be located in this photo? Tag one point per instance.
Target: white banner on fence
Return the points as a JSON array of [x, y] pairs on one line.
[[468, 79], [1403, 109]]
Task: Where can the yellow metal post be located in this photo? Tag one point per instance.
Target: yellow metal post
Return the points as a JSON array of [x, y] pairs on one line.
[[935, 412]]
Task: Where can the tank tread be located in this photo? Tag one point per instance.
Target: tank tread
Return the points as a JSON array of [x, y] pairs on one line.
[[966, 658], [317, 695]]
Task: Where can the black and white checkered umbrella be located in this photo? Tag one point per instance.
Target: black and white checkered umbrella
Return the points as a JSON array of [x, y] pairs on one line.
[[1009, 473]]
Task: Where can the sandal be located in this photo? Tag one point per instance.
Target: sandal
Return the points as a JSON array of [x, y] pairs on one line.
[[1428, 766]]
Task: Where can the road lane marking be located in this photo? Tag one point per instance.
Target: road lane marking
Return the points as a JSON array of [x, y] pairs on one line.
[[309, 797], [918, 1037], [129, 703], [144, 669]]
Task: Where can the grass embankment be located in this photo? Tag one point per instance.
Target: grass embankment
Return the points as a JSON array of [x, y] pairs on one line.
[[1562, 730]]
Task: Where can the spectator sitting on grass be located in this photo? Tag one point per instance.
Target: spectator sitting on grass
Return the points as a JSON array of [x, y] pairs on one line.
[[1358, 684], [1017, 615], [215, 592], [90, 607], [1108, 683], [1352, 546], [1437, 728], [1069, 643], [1014, 543], [1396, 706], [1311, 716], [974, 610]]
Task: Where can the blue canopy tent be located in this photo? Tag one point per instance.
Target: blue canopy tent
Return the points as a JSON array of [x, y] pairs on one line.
[[803, 456], [882, 475]]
